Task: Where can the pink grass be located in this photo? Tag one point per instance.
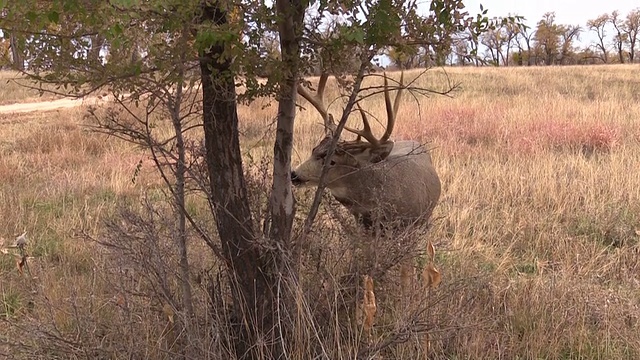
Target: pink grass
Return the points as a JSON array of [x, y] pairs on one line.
[[464, 128]]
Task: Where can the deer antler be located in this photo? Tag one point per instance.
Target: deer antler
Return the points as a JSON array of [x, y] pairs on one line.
[[391, 112], [317, 101], [391, 116], [366, 131]]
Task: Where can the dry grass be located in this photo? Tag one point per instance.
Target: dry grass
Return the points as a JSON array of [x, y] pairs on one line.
[[537, 230], [11, 90]]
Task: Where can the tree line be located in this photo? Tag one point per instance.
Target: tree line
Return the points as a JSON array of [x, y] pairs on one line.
[[513, 43], [507, 41]]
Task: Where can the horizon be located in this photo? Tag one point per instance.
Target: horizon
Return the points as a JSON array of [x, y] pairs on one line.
[[568, 12]]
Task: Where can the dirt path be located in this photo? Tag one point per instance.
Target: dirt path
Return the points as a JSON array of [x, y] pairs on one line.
[[48, 105]]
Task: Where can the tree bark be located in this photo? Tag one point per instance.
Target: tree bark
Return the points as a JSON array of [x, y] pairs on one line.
[[96, 45], [180, 196], [290, 20], [632, 36], [252, 272], [620, 51], [17, 57], [619, 39]]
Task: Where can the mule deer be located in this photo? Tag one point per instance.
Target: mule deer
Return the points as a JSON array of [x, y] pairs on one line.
[[378, 180]]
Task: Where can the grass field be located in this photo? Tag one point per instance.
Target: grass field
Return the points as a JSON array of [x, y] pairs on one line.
[[13, 91], [537, 231]]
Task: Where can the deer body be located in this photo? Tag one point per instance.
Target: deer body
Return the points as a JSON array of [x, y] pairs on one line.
[[403, 188], [378, 181]]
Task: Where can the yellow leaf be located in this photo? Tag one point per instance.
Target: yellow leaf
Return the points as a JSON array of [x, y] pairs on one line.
[[119, 299], [431, 276], [406, 274], [20, 263], [369, 306], [426, 343], [431, 250], [168, 311]]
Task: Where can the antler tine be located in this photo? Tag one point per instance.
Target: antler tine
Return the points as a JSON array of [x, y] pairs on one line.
[[391, 111], [366, 131], [318, 102], [396, 103]]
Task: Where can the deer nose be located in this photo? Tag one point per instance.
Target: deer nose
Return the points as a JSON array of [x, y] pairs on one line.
[[295, 180]]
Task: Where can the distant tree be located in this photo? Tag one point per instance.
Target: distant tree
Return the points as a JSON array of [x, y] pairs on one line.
[[547, 38], [97, 45], [461, 51], [570, 33], [598, 25], [13, 52], [465, 46], [631, 29], [510, 32], [526, 52], [587, 56], [17, 51], [554, 41], [499, 40], [405, 57], [494, 41], [620, 37], [5, 50]]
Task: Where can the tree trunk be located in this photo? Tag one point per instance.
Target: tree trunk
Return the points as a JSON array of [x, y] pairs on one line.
[[619, 45], [252, 272], [290, 17], [181, 169], [620, 52], [17, 57], [605, 57], [96, 45]]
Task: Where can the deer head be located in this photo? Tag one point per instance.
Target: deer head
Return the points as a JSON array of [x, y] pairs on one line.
[[348, 155], [377, 179]]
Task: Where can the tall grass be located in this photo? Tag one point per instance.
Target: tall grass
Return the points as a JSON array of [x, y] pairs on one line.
[[536, 232], [13, 90]]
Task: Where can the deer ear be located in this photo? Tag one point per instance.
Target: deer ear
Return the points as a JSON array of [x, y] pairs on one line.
[[381, 152]]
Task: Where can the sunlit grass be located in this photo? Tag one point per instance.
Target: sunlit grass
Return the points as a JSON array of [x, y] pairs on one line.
[[12, 89]]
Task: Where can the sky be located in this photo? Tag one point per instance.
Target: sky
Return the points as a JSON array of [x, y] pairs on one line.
[[573, 12], [568, 12]]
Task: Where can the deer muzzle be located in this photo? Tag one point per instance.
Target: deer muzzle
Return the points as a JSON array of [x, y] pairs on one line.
[[295, 179]]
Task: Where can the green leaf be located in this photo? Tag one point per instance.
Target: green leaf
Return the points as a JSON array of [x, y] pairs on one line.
[[117, 29], [125, 3], [31, 16], [70, 5], [53, 16], [355, 34], [444, 17]]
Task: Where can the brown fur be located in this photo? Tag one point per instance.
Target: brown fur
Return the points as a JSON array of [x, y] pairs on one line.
[[380, 181], [390, 183]]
